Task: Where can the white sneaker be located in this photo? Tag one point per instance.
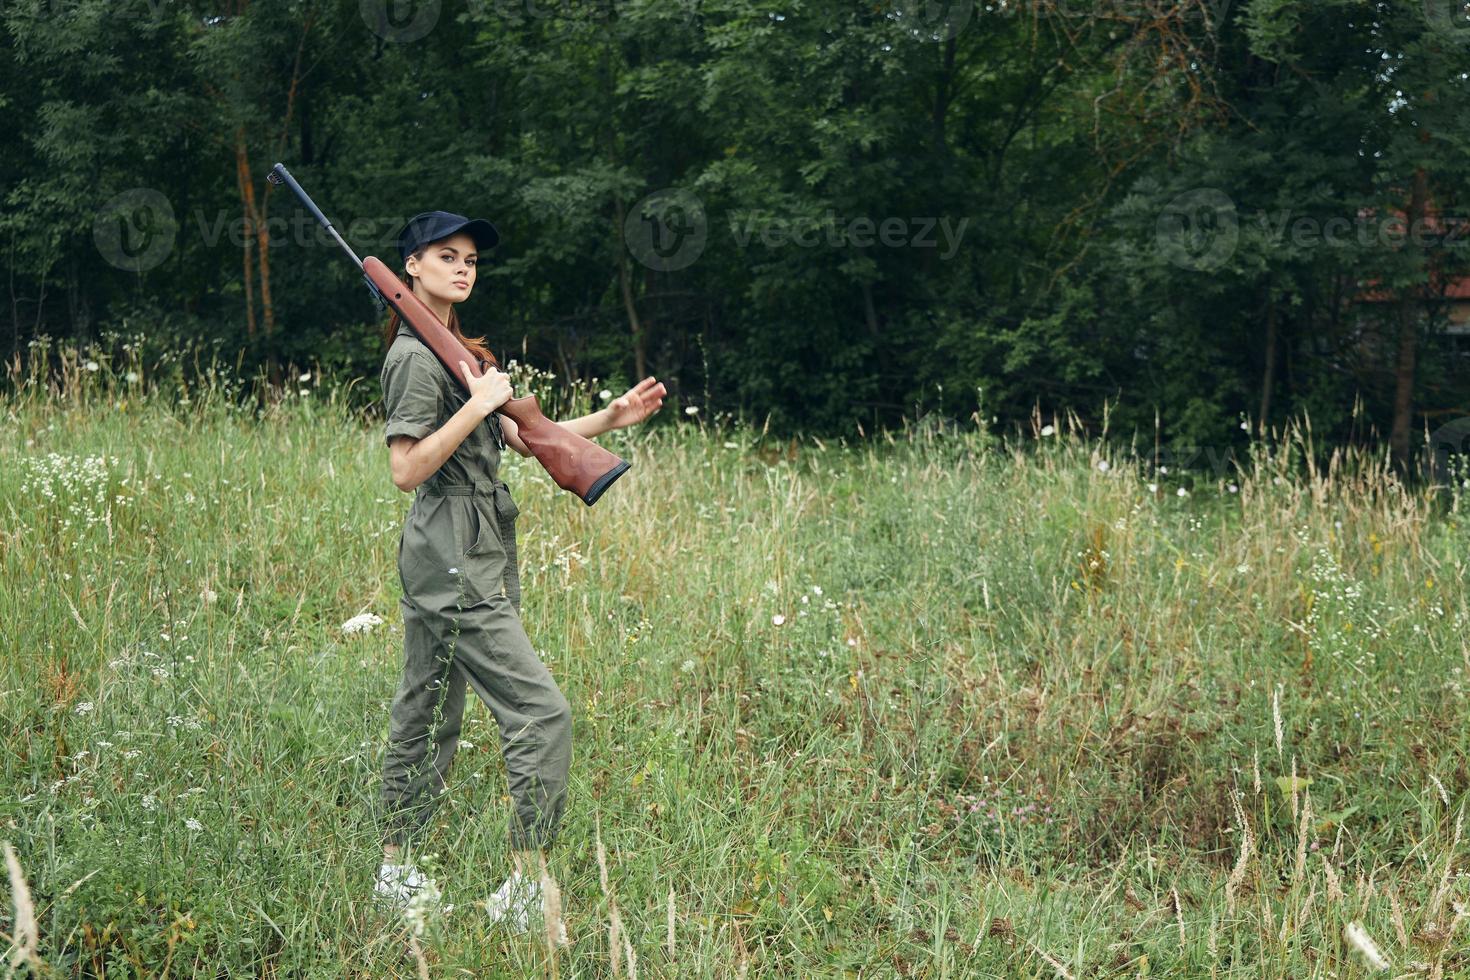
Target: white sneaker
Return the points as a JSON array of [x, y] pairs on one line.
[[398, 885], [517, 904]]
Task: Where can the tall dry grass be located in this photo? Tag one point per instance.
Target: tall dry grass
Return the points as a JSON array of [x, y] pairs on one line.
[[936, 703]]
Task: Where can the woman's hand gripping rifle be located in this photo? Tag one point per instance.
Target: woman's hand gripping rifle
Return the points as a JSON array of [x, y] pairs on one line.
[[574, 462]]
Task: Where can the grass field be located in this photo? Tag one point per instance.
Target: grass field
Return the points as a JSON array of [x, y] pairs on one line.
[[934, 705]]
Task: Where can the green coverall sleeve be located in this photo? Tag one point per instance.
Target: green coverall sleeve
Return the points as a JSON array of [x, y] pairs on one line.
[[412, 395]]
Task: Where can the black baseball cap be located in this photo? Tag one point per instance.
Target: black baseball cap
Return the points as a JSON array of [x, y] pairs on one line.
[[430, 226]]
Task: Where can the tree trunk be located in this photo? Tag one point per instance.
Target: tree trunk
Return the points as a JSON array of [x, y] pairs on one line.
[[625, 280], [1268, 375], [14, 303], [247, 237], [1410, 306], [77, 306], [942, 96], [255, 217], [870, 313]]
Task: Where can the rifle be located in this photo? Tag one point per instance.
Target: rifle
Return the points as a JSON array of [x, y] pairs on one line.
[[576, 463]]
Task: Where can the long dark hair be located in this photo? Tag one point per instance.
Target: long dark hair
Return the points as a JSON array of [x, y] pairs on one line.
[[475, 345]]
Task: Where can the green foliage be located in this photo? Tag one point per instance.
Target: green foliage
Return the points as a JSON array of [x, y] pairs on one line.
[[1029, 163]]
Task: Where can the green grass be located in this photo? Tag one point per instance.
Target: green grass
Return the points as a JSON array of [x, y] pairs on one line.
[[1008, 727]]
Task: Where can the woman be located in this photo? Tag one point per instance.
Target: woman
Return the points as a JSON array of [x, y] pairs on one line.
[[461, 588]]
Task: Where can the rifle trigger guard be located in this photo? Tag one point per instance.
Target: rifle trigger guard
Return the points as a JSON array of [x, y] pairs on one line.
[[375, 294]]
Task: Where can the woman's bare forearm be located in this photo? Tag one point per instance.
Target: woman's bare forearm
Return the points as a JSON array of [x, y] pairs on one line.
[[588, 426], [425, 457]]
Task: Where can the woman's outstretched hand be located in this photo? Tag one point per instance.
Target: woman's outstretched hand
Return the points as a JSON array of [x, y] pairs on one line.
[[637, 403], [490, 390]]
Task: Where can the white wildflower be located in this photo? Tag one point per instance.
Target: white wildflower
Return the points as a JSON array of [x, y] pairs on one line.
[[84, 707], [1047, 430], [91, 366], [691, 410], [305, 377], [1233, 488], [778, 619], [1182, 492], [193, 824], [363, 623], [131, 376], [687, 666], [604, 394], [1153, 488], [421, 904], [1102, 465], [1246, 426], [149, 802], [208, 595]]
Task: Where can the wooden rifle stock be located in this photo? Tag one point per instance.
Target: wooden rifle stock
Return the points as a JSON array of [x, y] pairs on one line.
[[576, 463]]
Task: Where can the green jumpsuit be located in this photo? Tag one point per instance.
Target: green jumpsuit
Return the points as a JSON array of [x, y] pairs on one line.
[[461, 621]]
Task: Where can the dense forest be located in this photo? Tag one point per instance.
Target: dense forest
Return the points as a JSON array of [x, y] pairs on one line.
[[1187, 220]]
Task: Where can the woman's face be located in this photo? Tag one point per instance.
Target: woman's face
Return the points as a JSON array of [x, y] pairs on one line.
[[446, 269]]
